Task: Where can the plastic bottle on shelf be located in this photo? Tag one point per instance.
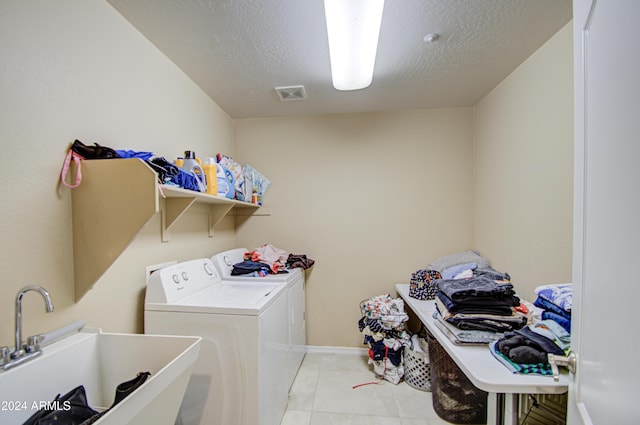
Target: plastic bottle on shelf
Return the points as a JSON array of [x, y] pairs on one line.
[[211, 170], [226, 183], [192, 164]]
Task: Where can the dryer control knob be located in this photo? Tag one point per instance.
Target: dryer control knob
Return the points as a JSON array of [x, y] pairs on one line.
[[207, 268], [185, 276], [176, 279]]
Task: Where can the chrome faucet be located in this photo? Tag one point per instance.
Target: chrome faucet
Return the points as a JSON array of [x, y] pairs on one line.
[[19, 351]]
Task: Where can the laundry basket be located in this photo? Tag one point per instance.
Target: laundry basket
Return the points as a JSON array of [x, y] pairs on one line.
[[455, 398], [417, 370], [384, 315]]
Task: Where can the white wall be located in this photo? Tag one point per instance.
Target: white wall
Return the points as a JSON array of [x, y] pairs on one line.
[[76, 69], [371, 197], [523, 169]]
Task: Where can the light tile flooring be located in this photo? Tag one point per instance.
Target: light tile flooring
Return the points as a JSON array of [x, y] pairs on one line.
[[323, 394]]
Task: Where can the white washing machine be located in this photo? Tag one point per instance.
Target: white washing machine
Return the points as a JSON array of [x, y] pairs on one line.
[[241, 376], [294, 281]]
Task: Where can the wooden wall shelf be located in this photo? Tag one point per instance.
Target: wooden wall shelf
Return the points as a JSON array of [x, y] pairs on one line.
[[116, 199]]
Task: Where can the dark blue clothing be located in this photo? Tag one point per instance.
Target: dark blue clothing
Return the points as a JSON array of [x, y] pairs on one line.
[[549, 306], [562, 321], [474, 287], [480, 305]]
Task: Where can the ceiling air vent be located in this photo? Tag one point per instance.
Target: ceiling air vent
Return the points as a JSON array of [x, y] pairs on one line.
[[291, 93]]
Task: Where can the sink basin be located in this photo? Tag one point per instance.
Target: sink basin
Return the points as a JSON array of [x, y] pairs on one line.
[[100, 361]]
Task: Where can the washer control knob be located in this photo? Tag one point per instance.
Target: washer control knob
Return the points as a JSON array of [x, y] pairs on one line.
[[208, 269], [176, 279], [185, 276]]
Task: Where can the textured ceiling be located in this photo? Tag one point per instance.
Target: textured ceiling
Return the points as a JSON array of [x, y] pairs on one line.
[[238, 51]]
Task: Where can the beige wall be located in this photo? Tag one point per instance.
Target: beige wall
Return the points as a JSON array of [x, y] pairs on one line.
[[371, 197], [523, 169], [76, 69]]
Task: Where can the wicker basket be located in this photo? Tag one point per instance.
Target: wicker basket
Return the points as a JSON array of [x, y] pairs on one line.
[[455, 398], [417, 371]]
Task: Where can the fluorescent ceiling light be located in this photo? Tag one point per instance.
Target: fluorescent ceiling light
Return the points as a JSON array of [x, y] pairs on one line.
[[353, 27]]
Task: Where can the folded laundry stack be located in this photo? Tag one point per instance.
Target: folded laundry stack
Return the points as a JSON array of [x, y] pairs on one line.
[[383, 326], [475, 303], [527, 350], [555, 302], [479, 303]]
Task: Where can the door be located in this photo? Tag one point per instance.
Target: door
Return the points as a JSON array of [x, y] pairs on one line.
[[606, 213]]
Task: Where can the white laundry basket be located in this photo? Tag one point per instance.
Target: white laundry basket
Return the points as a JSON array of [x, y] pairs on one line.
[[417, 369]]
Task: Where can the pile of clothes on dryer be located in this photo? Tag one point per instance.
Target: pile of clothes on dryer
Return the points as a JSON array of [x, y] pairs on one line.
[[269, 259]]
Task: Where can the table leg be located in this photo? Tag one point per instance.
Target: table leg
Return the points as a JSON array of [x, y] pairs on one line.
[[511, 409], [502, 409], [494, 409]]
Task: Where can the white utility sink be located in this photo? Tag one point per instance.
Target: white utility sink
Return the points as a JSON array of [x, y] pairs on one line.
[[101, 361]]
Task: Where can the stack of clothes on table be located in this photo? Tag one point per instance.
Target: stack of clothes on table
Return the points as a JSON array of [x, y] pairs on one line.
[[383, 326], [555, 302], [475, 304], [527, 350]]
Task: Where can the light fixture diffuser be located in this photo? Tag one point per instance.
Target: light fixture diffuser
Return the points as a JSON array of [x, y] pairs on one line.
[[353, 27]]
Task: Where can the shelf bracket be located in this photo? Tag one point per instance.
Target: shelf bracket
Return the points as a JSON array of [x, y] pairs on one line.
[[174, 208], [217, 213]]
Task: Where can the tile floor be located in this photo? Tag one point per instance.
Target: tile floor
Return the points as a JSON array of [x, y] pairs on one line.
[[322, 394]]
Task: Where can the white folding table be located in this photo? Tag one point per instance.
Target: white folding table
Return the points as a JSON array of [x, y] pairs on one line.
[[484, 370]]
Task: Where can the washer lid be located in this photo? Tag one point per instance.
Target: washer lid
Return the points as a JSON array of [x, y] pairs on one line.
[[225, 298]]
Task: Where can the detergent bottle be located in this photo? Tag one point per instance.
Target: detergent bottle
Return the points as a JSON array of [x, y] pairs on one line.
[[226, 183], [211, 170], [192, 165]]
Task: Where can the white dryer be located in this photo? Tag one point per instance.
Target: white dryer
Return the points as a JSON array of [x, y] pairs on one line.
[[240, 376], [294, 280]]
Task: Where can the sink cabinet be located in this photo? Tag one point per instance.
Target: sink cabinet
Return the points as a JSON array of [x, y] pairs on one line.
[[116, 199]]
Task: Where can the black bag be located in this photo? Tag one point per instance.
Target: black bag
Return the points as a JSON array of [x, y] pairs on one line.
[[93, 152], [71, 408], [122, 391], [80, 151]]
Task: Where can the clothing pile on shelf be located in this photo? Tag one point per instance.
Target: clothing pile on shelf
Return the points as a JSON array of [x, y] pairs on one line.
[[383, 326], [269, 259], [475, 303], [555, 302]]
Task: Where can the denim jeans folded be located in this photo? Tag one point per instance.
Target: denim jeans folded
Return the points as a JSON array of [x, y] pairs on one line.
[[476, 286], [480, 305]]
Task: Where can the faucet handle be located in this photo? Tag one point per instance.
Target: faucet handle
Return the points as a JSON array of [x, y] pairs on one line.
[[33, 344], [5, 355]]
